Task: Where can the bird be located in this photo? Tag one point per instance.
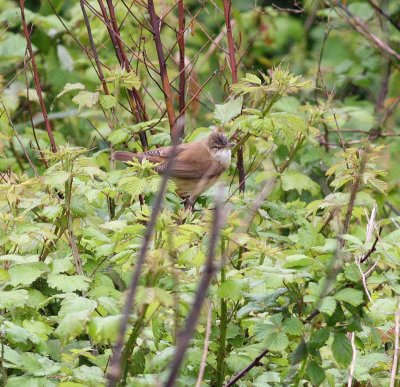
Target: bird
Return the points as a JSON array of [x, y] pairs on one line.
[[195, 166]]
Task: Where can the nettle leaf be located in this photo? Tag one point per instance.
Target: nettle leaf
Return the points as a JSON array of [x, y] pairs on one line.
[[107, 101], [292, 180], [25, 274], [104, 329], [352, 296], [118, 136], [229, 110], [132, 185], [13, 299], [67, 88], [74, 313], [319, 338], [299, 353], [315, 373], [328, 305], [56, 178], [286, 128], [341, 349], [293, 326], [86, 99], [230, 289], [68, 283]]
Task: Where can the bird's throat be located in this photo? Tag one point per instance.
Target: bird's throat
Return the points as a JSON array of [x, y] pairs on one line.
[[223, 156]]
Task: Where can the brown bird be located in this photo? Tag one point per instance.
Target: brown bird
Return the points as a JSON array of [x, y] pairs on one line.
[[196, 166]]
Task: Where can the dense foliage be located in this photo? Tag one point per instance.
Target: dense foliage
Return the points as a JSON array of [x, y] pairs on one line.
[[306, 281]]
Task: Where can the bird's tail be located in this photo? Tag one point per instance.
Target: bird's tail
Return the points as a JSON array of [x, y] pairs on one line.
[[123, 156]]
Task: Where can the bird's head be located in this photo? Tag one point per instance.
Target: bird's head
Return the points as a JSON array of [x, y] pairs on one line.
[[220, 148], [218, 141]]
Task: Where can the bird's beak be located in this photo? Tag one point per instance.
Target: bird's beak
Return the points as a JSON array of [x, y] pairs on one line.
[[231, 145]]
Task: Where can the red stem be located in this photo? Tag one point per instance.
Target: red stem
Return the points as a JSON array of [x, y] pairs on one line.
[[154, 20], [37, 79], [182, 73]]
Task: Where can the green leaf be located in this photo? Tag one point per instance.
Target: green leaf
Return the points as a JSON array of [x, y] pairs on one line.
[[118, 136], [292, 180], [277, 341], [352, 296], [328, 305], [107, 101], [68, 283], [56, 178], [315, 373], [286, 128], [341, 349], [67, 88], [319, 338], [299, 353], [25, 274], [13, 299], [229, 110], [293, 326], [230, 289], [74, 313], [86, 99], [104, 329]]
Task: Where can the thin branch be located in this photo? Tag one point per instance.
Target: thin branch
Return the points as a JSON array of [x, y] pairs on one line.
[[36, 78], [255, 363], [182, 74], [353, 360], [208, 273], [384, 14], [169, 104], [364, 30], [205, 349], [393, 374], [233, 65], [114, 370]]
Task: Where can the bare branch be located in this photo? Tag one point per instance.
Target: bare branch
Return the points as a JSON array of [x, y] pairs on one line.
[[164, 73], [208, 273], [36, 78]]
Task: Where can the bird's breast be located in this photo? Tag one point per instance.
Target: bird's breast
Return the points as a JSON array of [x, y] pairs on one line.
[[223, 156]]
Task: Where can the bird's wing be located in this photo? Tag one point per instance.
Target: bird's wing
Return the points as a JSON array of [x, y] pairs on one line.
[[194, 165]]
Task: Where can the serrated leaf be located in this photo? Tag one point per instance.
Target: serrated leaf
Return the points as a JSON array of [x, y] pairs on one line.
[[86, 99], [292, 180], [67, 88], [293, 326], [299, 353], [68, 283], [352, 296], [319, 338], [132, 185], [56, 178], [107, 101], [328, 305], [341, 349], [13, 299], [118, 136], [277, 341], [25, 274], [315, 373], [104, 329], [229, 110], [230, 289]]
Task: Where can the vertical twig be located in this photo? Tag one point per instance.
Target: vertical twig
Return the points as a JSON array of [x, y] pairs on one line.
[[205, 349], [182, 73], [233, 65], [114, 370], [169, 104], [191, 321], [393, 373], [36, 78], [353, 360]]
